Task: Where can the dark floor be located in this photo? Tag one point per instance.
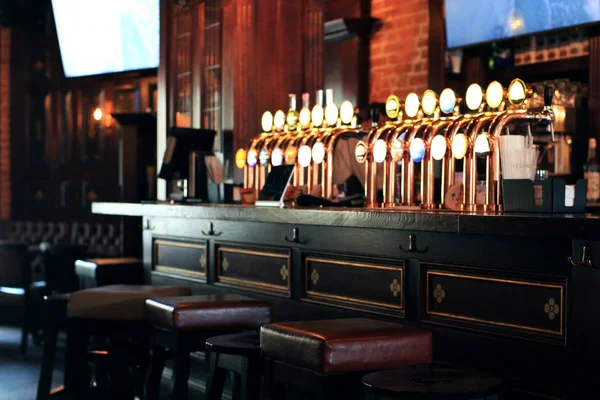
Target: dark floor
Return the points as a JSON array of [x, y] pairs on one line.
[[18, 374]]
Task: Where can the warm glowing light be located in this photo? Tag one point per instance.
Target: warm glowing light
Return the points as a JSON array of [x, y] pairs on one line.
[[494, 94], [318, 152], [447, 101], [379, 151], [516, 23], [483, 145], [279, 120], [276, 157], [474, 97], [360, 152], [392, 107], [429, 102], [290, 155], [252, 158], [417, 149], [517, 92], [304, 156], [346, 112], [438, 147], [397, 149], [263, 157], [459, 146], [317, 115], [331, 114], [411, 105], [240, 158], [98, 114], [304, 117], [266, 122]]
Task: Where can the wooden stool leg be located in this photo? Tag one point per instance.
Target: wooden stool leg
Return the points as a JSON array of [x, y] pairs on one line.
[[157, 364], [48, 357], [181, 371], [250, 379], [272, 390], [76, 369], [216, 378], [26, 323]]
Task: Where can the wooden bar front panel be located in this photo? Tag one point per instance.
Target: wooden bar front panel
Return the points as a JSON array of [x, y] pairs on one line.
[[183, 258], [372, 285], [260, 269], [507, 305]]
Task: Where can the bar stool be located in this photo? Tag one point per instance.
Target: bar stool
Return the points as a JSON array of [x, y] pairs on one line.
[[182, 326], [238, 353], [110, 271], [115, 314], [431, 383], [328, 358]]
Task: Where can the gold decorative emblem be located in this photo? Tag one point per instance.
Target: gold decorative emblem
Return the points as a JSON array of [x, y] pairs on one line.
[[284, 272], [92, 196], [202, 261], [225, 264], [439, 293], [551, 308], [395, 287], [314, 276]]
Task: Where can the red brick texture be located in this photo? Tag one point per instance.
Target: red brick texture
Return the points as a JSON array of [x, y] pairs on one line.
[[399, 50], [5, 194]]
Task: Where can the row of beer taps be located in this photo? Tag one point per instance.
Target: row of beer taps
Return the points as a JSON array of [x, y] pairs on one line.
[[419, 133]]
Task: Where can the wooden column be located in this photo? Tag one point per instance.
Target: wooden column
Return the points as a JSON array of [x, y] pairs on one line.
[[313, 47], [594, 86], [5, 74]]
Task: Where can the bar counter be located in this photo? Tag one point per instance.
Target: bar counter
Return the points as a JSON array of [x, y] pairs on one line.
[[509, 294]]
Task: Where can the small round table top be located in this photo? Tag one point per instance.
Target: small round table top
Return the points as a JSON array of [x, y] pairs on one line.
[[245, 344], [427, 382]]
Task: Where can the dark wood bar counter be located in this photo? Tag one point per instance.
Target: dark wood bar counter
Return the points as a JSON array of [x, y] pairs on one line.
[[499, 291]]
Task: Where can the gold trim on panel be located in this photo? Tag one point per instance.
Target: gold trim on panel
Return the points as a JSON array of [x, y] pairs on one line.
[[224, 264], [202, 261], [252, 252], [164, 268], [491, 322], [307, 292], [314, 276], [179, 271]]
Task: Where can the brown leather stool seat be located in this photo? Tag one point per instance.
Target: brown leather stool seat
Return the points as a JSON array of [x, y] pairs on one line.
[[329, 357], [117, 302], [345, 345], [110, 271], [184, 323], [216, 312]]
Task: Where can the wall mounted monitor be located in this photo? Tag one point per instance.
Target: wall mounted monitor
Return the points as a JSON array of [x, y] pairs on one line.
[[470, 22], [107, 36]]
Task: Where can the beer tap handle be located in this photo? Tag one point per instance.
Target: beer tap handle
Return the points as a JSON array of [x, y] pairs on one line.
[[548, 93], [375, 116]]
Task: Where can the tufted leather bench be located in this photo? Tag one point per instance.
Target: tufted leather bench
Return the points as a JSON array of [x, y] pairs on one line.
[[343, 349], [101, 239], [182, 325]]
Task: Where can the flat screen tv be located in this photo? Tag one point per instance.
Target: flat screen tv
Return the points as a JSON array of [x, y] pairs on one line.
[[470, 22], [107, 36]]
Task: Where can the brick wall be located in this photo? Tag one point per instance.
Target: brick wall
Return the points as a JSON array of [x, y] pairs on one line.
[[399, 50], [5, 194]]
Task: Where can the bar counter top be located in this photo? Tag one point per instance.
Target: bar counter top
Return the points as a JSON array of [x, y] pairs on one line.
[[520, 224]]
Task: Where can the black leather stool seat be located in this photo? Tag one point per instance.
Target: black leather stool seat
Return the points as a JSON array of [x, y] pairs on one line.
[[214, 312], [346, 345], [109, 271], [432, 383]]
